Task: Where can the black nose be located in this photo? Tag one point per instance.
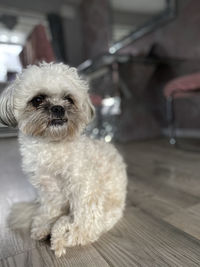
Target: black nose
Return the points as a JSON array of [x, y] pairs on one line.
[[58, 111]]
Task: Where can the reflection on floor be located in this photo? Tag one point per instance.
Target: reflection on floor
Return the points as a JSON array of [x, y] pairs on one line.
[[161, 226]]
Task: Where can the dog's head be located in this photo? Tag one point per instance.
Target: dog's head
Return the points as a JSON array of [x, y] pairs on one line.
[[49, 100]]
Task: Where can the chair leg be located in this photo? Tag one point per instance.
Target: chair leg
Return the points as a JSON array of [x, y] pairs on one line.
[[171, 120]]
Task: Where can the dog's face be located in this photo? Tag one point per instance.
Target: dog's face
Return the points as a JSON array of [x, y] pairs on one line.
[[49, 101], [55, 116]]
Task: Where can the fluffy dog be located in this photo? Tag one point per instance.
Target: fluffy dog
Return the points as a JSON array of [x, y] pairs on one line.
[[81, 183]]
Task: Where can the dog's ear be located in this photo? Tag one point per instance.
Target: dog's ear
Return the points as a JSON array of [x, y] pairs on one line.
[[6, 107], [90, 110]]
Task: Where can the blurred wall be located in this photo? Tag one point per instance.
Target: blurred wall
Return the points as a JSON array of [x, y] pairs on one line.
[[96, 27], [38, 5], [180, 38]]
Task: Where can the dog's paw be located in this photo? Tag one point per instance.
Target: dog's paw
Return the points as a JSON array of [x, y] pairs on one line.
[[58, 245], [40, 233]]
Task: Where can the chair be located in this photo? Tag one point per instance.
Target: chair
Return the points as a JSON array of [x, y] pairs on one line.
[[178, 88]]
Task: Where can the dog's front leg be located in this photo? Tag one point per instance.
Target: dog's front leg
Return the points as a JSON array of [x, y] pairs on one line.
[[84, 226], [52, 206], [43, 220]]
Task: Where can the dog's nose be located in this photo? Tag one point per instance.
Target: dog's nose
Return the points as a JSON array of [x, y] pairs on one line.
[[58, 111]]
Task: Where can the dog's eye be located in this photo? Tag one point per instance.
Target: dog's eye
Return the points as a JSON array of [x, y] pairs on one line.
[[36, 101], [69, 99]]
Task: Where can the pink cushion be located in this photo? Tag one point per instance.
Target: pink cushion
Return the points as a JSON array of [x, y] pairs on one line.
[[182, 85]]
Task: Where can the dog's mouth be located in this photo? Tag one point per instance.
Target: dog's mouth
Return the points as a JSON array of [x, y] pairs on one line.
[[57, 122]]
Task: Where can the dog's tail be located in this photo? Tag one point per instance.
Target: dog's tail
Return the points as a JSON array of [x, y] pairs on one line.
[[21, 215]]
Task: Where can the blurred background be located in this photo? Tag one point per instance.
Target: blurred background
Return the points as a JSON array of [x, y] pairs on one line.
[[141, 58]]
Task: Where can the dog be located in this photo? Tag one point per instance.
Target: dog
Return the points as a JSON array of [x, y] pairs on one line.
[[80, 182]]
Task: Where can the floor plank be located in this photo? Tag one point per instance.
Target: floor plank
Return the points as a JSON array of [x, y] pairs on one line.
[[188, 220], [44, 257], [142, 240], [146, 191], [14, 187]]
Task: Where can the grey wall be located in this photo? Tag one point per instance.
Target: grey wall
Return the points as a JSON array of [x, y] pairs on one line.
[[130, 18], [42, 6]]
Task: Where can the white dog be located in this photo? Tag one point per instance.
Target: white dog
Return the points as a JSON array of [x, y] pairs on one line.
[[81, 182]]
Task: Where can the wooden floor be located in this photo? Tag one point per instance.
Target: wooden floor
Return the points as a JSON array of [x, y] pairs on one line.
[[161, 225]]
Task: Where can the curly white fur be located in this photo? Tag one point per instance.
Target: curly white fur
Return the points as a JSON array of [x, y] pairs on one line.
[[81, 183]]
